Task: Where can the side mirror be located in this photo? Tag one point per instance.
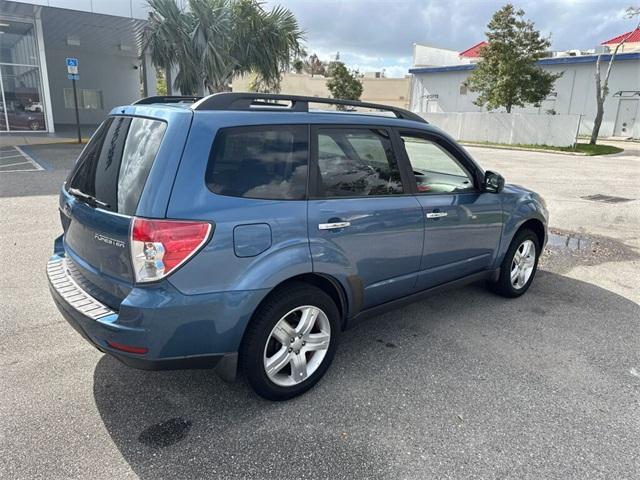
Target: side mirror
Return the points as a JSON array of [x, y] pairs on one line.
[[493, 182]]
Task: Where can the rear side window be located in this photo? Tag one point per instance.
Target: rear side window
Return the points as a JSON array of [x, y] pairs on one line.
[[268, 162], [115, 164]]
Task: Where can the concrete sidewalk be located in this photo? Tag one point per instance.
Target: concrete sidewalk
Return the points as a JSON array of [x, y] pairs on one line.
[[63, 134]]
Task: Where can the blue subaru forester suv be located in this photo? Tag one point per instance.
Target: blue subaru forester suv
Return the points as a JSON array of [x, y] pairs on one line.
[[246, 231]]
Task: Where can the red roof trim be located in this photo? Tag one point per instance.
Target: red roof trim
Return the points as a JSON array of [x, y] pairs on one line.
[[474, 51], [634, 36]]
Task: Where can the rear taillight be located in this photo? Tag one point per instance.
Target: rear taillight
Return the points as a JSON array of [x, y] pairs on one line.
[[158, 247]]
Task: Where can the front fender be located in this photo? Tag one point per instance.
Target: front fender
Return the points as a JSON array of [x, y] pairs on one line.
[[519, 207]]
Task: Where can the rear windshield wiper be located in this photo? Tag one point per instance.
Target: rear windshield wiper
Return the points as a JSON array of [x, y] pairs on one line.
[[90, 199]]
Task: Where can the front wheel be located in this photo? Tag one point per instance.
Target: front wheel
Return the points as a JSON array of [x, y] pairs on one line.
[[519, 265], [290, 341]]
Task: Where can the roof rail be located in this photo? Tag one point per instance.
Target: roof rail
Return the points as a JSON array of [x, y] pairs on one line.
[[298, 103], [167, 99]]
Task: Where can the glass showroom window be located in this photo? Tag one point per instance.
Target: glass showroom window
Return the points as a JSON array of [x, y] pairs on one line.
[[21, 104], [88, 99]]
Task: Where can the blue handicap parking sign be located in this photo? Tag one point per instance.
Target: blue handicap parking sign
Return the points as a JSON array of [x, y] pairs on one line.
[[72, 62]]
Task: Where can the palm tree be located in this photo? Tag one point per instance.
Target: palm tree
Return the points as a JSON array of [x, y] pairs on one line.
[[212, 41]]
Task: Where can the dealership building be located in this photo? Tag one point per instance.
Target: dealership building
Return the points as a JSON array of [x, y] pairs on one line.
[[439, 84], [37, 37]]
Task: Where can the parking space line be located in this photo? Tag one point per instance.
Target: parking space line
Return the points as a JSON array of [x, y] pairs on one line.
[[28, 164], [35, 164], [13, 164]]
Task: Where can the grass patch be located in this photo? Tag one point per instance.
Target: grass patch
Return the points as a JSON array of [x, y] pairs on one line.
[[597, 149], [584, 148]]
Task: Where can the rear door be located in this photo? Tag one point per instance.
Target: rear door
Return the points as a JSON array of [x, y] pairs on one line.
[[364, 226], [99, 199], [463, 224]]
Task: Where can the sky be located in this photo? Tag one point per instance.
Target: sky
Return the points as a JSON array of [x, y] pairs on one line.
[[372, 35]]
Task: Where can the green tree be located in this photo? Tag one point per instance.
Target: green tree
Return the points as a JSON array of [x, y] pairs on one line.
[[161, 82], [507, 74], [344, 84], [298, 65], [212, 41]]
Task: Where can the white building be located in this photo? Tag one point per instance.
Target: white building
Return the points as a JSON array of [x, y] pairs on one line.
[[35, 39], [441, 88]]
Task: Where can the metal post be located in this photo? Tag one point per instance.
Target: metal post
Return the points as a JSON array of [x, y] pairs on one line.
[[575, 144], [75, 102]]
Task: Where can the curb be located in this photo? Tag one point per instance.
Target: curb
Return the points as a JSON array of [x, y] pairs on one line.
[[523, 149]]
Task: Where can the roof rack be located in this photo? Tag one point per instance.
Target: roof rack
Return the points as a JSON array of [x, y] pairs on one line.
[[265, 102], [167, 99]]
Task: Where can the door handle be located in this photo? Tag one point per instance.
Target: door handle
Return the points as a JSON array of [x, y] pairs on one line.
[[436, 214], [333, 225]]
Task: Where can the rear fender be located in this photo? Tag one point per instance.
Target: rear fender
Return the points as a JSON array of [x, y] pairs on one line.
[[332, 262]]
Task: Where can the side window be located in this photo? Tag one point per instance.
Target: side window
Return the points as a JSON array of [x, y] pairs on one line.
[[436, 170], [267, 162], [356, 162]]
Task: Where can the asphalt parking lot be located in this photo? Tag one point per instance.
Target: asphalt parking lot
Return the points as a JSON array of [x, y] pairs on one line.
[[463, 385]]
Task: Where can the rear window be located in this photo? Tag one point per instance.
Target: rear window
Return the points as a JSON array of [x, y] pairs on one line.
[[115, 164], [268, 162]]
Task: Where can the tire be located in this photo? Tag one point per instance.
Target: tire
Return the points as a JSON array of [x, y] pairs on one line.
[[295, 347], [526, 271]]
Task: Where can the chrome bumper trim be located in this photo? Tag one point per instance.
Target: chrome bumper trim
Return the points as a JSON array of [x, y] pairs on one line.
[[72, 293]]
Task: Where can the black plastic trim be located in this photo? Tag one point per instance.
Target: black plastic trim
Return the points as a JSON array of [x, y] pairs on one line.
[[400, 302], [167, 99], [247, 101]]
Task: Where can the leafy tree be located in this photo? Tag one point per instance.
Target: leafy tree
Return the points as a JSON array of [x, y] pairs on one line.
[[507, 74], [314, 66], [212, 41], [332, 64], [298, 65], [161, 82], [602, 85], [344, 84]]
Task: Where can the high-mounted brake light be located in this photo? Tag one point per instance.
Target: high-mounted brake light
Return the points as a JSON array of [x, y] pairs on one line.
[[158, 247]]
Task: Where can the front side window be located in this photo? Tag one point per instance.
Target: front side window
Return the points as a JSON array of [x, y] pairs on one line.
[[435, 169], [356, 162], [267, 162]]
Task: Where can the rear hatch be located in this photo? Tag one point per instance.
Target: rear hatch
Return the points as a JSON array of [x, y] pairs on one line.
[[99, 199]]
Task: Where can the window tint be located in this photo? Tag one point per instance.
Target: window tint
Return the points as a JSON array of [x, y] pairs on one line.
[[115, 164], [267, 162], [356, 162], [435, 169]]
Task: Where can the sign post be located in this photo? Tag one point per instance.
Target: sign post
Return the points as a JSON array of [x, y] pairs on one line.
[[72, 74]]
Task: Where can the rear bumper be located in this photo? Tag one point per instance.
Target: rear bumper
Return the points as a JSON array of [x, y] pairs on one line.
[[179, 331]]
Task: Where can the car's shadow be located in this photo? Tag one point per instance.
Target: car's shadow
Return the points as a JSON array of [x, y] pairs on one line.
[[458, 381]]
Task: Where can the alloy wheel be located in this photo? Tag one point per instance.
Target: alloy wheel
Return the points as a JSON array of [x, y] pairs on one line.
[[297, 345], [522, 265]]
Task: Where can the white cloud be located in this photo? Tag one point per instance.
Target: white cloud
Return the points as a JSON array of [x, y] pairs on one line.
[[379, 33]]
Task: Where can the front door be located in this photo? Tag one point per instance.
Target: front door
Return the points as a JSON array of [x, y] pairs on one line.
[[365, 227], [462, 224]]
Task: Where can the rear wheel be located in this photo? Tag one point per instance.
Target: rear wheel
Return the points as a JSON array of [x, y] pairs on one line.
[[290, 341], [519, 265]]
